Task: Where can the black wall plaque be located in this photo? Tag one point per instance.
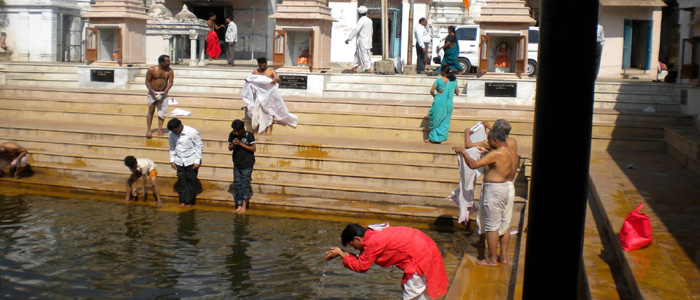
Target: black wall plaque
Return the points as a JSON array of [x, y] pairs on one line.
[[293, 82], [102, 75], [501, 89]]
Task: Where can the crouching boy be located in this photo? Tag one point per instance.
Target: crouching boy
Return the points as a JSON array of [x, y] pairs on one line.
[[139, 169], [242, 143]]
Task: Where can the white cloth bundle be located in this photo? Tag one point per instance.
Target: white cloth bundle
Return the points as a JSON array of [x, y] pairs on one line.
[[262, 97]]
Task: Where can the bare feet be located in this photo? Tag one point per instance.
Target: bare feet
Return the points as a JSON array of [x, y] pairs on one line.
[[182, 204], [242, 211], [149, 134], [188, 205], [238, 210], [486, 262], [428, 141], [159, 203], [503, 260], [160, 131]]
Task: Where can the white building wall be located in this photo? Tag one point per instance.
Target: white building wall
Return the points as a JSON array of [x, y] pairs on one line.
[[613, 20], [346, 14], [420, 10], [33, 30]]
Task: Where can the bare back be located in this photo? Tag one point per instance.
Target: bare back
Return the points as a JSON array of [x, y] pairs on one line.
[[513, 148], [13, 150], [269, 72]]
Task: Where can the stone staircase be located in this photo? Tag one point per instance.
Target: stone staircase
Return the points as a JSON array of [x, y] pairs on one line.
[[332, 154]]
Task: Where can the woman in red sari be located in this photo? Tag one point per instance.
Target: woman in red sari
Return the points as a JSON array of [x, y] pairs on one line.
[[213, 48]]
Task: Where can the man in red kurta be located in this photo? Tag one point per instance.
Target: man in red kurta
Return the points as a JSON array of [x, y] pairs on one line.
[[409, 249]]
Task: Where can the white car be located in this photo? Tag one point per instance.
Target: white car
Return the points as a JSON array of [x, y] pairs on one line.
[[468, 39]]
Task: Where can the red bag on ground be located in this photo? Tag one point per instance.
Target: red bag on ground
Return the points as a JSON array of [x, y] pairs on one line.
[[636, 231]]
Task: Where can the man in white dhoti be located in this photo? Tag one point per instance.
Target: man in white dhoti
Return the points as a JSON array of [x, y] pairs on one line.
[[470, 141], [495, 193], [363, 32], [263, 100]]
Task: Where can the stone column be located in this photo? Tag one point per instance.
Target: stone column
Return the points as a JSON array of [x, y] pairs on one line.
[[202, 59], [193, 49]]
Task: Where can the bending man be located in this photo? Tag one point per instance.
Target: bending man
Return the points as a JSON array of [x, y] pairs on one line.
[[409, 249]]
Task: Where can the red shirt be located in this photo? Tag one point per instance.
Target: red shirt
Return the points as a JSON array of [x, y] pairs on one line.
[[409, 249]]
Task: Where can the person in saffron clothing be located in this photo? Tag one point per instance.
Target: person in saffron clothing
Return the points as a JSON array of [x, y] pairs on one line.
[[213, 48], [409, 249], [441, 110]]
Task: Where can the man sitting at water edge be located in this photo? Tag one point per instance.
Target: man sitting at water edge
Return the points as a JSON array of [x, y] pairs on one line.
[[495, 192], [409, 249], [14, 155], [139, 169]]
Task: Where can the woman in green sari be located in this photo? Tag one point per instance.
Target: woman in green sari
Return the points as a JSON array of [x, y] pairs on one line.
[[451, 48], [443, 90]]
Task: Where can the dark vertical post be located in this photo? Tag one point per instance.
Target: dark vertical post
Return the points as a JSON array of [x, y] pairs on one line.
[[561, 148]]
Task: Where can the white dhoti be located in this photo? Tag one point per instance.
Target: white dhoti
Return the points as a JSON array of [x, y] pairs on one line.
[[161, 102], [493, 206], [416, 288], [362, 57], [264, 102]]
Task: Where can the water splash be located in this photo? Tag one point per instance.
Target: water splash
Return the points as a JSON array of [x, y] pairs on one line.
[[321, 281]]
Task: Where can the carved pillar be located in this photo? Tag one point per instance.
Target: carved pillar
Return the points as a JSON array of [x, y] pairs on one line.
[[202, 60], [193, 49]]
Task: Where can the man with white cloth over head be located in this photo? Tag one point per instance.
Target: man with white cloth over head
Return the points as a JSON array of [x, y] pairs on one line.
[[263, 100], [363, 32]]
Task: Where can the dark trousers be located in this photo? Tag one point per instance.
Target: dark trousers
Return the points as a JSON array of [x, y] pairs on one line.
[[187, 184], [241, 182], [420, 54], [229, 52]]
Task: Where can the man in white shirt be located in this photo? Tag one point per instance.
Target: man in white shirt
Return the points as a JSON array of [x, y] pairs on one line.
[[363, 32], [231, 39], [185, 157], [422, 37]]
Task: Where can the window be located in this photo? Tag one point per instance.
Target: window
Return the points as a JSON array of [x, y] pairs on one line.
[[533, 36], [466, 34]]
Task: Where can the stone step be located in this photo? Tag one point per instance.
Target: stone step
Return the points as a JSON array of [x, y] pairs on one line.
[[47, 183], [43, 67], [215, 101], [330, 127], [636, 106], [224, 172], [73, 83], [208, 80], [388, 79], [639, 117], [411, 95], [264, 159], [638, 87], [42, 76], [683, 144], [282, 186], [652, 98], [290, 145], [396, 132]]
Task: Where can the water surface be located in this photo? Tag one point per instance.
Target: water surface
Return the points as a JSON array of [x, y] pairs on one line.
[[55, 248]]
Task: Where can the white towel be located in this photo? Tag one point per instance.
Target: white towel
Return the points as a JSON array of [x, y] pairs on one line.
[[263, 100], [463, 196], [478, 133], [180, 112], [172, 101]]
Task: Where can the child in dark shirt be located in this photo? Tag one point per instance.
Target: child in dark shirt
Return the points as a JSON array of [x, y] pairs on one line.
[[242, 143]]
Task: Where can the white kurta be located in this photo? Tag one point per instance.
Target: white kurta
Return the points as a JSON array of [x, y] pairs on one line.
[[262, 97], [363, 33]]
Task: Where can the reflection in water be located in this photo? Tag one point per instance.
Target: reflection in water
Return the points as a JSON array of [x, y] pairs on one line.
[[64, 248]]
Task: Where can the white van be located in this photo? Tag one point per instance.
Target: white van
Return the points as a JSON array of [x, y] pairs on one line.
[[468, 39]]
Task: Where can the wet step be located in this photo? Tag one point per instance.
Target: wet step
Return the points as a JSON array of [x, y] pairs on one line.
[[663, 270], [47, 183], [604, 278]]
